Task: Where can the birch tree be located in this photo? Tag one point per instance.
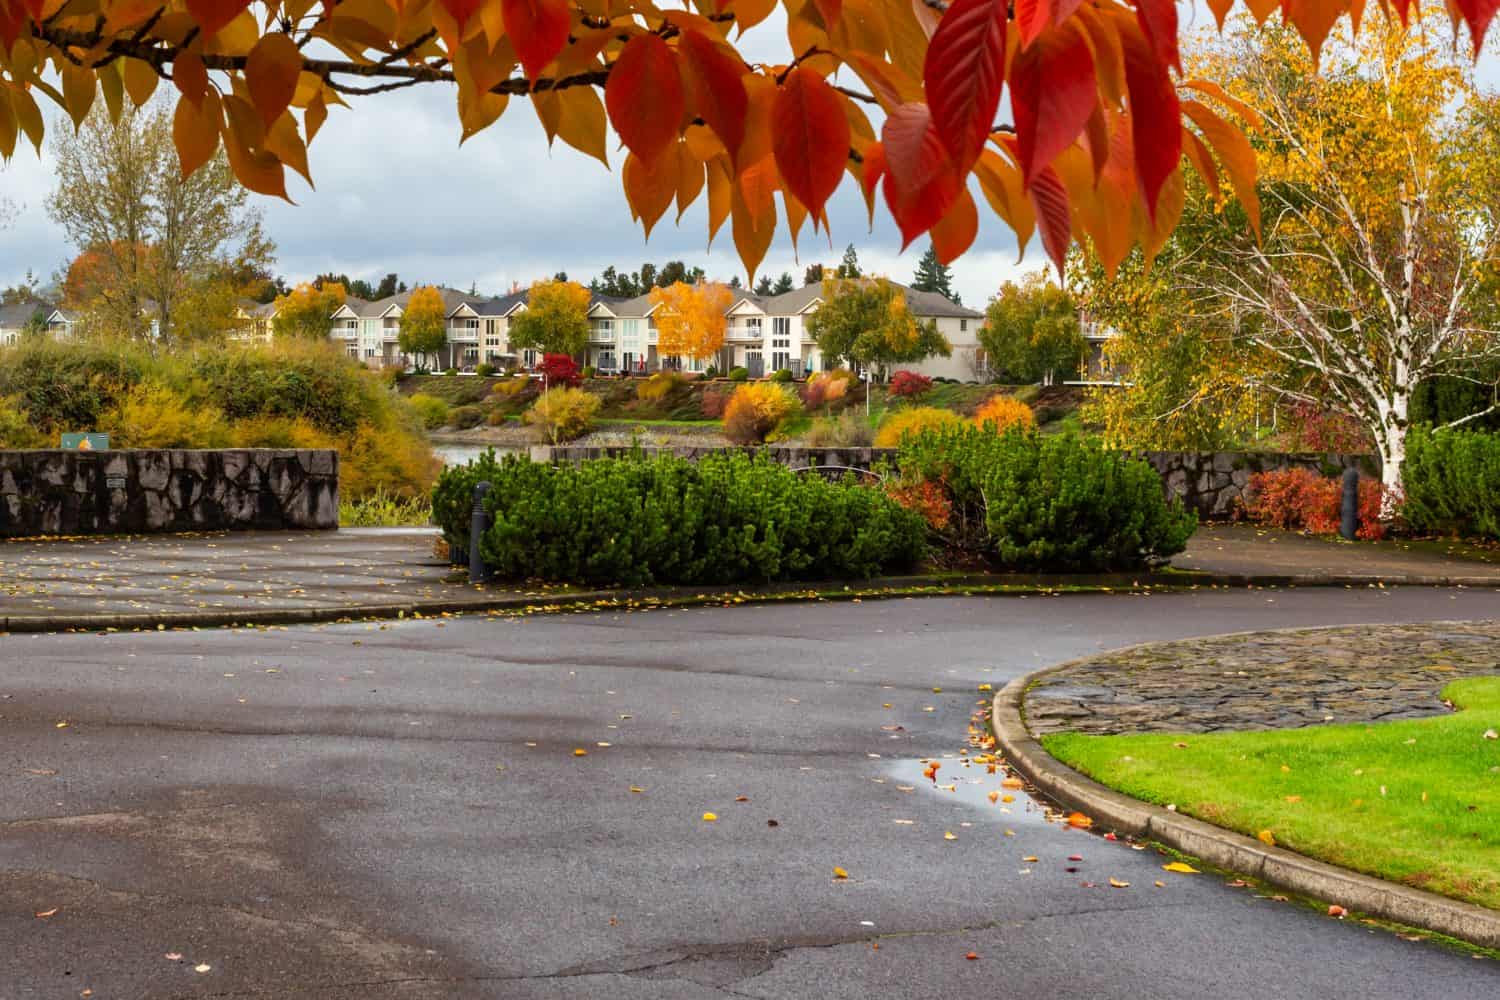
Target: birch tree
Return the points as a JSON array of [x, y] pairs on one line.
[[1376, 266]]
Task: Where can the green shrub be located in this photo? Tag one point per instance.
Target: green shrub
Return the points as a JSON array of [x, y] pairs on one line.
[[1451, 481], [847, 430], [589, 371], [464, 417], [781, 375], [727, 518], [712, 371], [1059, 503], [738, 374], [16, 431], [450, 371], [433, 412], [484, 369], [563, 414], [384, 510]]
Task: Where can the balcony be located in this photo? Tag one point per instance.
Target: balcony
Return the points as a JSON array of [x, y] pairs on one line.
[[743, 333], [462, 334]]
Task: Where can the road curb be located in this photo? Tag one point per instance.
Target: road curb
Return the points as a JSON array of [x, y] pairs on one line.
[[874, 589], [1223, 848]]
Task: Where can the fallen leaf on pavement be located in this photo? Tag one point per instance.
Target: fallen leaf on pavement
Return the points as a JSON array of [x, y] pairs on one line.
[[1080, 821], [971, 956], [839, 873], [1180, 866], [1118, 884], [1266, 837], [637, 789], [202, 967], [709, 817], [1030, 859], [742, 798], [949, 835], [580, 752], [1336, 910], [44, 914], [173, 956], [1012, 783], [994, 797]]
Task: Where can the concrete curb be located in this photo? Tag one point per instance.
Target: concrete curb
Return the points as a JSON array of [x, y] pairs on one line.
[[1223, 848], [873, 589]]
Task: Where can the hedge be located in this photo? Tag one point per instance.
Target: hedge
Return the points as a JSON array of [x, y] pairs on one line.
[[728, 518], [1062, 503], [1451, 482]]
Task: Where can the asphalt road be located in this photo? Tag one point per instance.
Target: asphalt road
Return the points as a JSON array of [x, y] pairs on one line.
[[364, 811]]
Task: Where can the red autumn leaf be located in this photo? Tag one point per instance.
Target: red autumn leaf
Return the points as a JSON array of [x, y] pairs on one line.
[[1158, 21], [462, 10], [810, 138], [955, 232], [1155, 123], [964, 73], [644, 96], [829, 10], [920, 182], [12, 16], [870, 173], [1052, 96], [271, 73], [720, 92], [537, 29], [1049, 199], [1031, 17], [1477, 14], [212, 15]]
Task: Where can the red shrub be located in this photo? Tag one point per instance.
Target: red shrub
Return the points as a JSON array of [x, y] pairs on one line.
[[909, 385], [814, 394], [926, 498], [559, 370], [713, 403], [1302, 500]]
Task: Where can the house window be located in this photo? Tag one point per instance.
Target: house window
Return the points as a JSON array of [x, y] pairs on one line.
[[781, 326], [963, 326], [604, 329], [369, 352], [753, 323]]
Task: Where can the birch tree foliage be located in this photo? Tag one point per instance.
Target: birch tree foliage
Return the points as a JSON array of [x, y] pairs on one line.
[[900, 98], [1375, 266]]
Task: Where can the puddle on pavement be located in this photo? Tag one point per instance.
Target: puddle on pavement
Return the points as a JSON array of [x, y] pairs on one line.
[[966, 781]]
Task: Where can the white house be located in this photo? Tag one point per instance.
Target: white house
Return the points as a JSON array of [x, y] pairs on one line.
[[14, 320], [763, 333]]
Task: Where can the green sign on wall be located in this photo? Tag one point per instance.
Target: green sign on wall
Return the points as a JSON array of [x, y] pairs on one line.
[[85, 441]]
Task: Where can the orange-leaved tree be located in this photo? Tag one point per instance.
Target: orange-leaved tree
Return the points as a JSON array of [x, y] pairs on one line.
[[307, 310], [1093, 146], [422, 331], [690, 318]]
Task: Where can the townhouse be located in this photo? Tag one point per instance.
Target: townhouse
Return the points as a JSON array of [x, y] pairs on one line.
[[763, 334], [253, 321], [15, 319]]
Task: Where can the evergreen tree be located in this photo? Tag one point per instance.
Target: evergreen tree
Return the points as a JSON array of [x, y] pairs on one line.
[[734, 282], [645, 278], [934, 276], [783, 284], [560, 276], [387, 287], [763, 286], [813, 275], [849, 266]]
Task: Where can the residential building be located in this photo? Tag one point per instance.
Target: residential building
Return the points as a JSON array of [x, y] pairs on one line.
[[253, 321], [1097, 367], [763, 334], [16, 319]]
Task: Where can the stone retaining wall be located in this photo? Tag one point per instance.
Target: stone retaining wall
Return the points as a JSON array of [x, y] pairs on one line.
[[1211, 483], [119, 492], [1214, 483]]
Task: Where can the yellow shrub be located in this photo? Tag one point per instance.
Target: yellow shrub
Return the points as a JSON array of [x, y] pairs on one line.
[[917, 420], [563, 414], [279, 432], [386, 460], [16, 430], [154, 416], [511, 385], [1001, 413], [757, 409], [658, 387], [432, 411]]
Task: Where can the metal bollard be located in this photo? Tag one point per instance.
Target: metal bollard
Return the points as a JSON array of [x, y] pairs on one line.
[[479, 520], [1349, 523]]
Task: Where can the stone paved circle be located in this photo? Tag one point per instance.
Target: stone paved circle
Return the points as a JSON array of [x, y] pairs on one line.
[[1265, 680]]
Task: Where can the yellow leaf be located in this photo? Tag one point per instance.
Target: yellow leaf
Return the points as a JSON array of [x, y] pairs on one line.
[[994, 796], [1179, 866], [1119, 883], [948, 835], [576, 116], [1266, 837], [580, 752], [271, 72], [710, 817], [986, 687], [637, 789], [1012, 783], [839, 873], [1079, 820], [44, 914]]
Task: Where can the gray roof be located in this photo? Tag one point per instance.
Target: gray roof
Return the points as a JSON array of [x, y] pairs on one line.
[[18, 315], [925, 304]]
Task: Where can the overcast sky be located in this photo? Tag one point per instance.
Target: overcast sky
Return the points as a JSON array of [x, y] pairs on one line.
[[396, 193]]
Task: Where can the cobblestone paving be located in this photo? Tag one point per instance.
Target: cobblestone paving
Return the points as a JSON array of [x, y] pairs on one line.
[[1266, 680]]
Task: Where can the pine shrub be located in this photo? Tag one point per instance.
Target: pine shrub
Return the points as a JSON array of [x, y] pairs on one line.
[[1451, 482]]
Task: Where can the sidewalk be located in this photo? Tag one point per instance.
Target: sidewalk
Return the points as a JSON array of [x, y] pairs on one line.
[[361, 572]]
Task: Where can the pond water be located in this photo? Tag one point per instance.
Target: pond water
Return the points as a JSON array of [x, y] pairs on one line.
[[461, 454]]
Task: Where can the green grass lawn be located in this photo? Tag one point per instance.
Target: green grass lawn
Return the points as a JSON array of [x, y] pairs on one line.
[[1416, 802]]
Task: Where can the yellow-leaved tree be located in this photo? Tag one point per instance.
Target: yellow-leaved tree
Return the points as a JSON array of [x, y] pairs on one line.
[[555, 320], [690, 318], [422, 330], [306, 310], [1374, 268]]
